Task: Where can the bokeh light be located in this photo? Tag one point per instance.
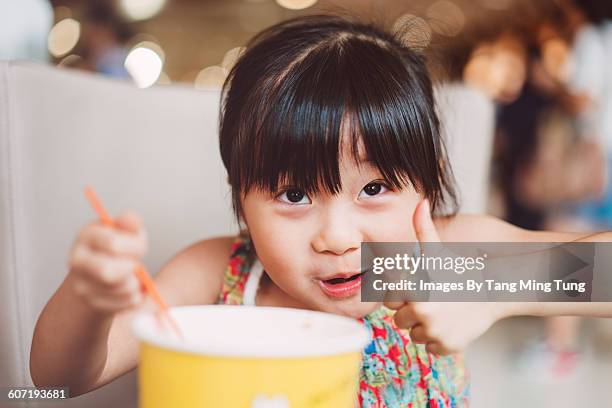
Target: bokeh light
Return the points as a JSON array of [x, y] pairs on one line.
[[163, 79], [498, 69], [446, 18], [230, 57], [63, 37], [211, 78], [296, 4], [70, 61], [141, 9], [144, 63], [413, 31]]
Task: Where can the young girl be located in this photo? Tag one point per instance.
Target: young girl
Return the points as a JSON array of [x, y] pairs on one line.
[[330, 137]]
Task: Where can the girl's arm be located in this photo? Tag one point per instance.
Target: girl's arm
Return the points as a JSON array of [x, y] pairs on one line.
[[446, 327], [84, 318], [547, 309], [486, 228], [483, 228]]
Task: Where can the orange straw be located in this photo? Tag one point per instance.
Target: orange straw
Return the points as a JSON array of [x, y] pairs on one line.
[[140, 272]]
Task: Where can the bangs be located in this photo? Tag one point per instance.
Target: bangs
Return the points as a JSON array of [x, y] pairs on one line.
[[302, 109]]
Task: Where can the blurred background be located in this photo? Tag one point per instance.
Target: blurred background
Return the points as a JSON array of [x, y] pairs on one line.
[[544, 65]]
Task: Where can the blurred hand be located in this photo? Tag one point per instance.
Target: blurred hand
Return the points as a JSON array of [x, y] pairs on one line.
[[102, 262], [444, 327]]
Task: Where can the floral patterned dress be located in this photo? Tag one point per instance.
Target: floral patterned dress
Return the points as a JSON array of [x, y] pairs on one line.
[[396, 373]]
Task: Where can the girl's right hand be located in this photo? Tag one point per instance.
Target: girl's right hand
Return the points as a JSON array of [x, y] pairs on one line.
[[444, 327], [102, 263]]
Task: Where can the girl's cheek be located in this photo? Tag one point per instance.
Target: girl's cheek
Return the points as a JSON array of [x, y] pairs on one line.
[[283, 229], [390, 221], [290, 212]]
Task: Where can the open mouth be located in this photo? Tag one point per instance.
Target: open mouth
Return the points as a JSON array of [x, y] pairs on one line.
[[342, 286], [336, 281]]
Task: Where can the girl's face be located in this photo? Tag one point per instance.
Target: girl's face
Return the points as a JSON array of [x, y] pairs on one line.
[[304, 241]]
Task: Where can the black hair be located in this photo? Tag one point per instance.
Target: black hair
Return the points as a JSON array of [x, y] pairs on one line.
[[302, 81]]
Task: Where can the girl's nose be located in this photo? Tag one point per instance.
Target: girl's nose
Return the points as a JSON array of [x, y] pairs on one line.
[[337, 234]]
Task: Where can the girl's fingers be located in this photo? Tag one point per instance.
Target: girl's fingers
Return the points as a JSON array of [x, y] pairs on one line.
[[405, 317], [394, 305], [128, 287], [129, 221], [436, 348], [418, 335], [114, 242], [424, 226], [102, 270]]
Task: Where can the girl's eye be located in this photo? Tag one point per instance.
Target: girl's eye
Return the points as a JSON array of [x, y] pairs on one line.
[[373, 189], [294, 196]]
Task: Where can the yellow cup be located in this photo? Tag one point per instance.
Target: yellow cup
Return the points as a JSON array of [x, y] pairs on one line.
[[250, 357]]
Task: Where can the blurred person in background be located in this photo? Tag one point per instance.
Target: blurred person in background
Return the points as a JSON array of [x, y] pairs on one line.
[[551, 146], [591, 21], [103, 41], [589, 75], [24, 26]]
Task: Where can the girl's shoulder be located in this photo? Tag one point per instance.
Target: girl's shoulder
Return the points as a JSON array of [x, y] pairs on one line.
[[195, 274]]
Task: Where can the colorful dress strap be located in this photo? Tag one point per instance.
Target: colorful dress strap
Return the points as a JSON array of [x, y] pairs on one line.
[[237, 271]]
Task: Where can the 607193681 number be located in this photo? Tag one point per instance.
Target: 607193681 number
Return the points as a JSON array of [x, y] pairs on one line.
[[32, 393]]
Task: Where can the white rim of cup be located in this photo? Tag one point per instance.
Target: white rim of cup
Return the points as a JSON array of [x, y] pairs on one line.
[[355, 339]]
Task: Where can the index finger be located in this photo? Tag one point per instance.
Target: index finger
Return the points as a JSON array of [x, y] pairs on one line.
[[129, 221]]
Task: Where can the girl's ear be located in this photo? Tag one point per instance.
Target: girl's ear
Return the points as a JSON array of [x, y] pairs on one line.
[[243, 228], [242, 224]]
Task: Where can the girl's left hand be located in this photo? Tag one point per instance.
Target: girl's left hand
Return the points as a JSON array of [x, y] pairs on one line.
[[444, 327]]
